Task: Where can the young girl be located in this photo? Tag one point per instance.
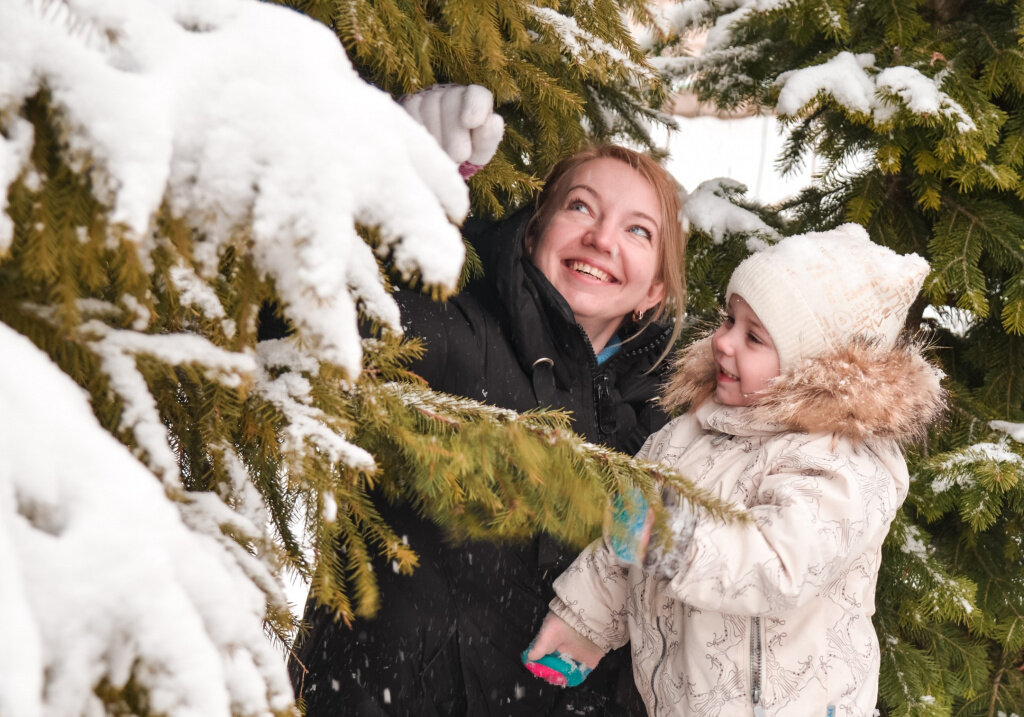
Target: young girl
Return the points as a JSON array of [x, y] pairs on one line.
[[798, 404]]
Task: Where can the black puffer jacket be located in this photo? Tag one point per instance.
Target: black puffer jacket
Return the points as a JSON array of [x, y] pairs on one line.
[[447, 639]]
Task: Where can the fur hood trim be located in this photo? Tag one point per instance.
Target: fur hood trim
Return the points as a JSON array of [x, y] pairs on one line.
[[859, 391]]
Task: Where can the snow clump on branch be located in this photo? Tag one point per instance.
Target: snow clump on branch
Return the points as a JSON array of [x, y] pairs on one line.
[[848, 80]]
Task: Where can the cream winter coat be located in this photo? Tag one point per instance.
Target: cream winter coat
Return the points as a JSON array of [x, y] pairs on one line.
[[770, 616]]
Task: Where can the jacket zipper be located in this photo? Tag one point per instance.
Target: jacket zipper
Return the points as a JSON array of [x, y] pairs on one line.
[[755, 667], [657, 666], [599, 381]]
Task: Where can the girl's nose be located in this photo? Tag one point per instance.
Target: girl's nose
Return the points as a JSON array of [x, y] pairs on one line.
[[721, 341]]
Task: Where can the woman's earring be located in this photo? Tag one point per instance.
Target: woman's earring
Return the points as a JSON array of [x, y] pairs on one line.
[[638, 315]]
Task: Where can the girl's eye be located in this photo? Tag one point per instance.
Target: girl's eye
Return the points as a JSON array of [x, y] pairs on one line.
[[640, 231], [754, 338], [728, 321]]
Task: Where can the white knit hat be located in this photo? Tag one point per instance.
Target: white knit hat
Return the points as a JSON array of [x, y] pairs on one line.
[[815, 292]]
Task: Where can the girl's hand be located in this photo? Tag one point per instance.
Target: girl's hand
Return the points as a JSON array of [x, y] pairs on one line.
[[556, 635], [627, 527]]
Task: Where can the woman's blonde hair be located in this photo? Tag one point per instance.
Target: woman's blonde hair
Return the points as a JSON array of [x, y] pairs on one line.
[[672, 249]]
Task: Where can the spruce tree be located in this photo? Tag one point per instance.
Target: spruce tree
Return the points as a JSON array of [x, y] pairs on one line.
[[168, 170], [916, 110]]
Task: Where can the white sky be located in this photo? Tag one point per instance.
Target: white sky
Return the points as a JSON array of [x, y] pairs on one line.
[[743, 149]]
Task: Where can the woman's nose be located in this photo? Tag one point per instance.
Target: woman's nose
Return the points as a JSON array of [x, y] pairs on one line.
[[601, 237]]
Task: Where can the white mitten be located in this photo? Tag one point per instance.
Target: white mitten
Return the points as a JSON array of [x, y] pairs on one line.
[[462, 120]]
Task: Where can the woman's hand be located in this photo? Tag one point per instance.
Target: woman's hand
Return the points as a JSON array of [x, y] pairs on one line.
[[556, 635], [462, 120]]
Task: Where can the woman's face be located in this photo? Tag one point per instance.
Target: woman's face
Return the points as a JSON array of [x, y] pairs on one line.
[[601, 247]]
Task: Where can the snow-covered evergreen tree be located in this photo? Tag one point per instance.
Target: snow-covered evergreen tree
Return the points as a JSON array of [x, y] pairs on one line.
[[916, 110], [167, 168]]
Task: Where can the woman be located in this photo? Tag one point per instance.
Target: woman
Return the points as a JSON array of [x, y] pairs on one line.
[[569, 315]]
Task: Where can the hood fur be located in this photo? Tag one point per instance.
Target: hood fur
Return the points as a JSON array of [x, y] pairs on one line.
[[859, 391]]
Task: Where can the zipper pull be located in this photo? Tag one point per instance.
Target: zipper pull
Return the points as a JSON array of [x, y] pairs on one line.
[[755, 696], [606, 418]]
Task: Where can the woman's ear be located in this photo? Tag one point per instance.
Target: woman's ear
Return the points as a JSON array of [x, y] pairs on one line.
[[655, 295]]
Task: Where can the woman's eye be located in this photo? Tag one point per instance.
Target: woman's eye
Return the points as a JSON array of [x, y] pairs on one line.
[[577, 205], [640, 231]]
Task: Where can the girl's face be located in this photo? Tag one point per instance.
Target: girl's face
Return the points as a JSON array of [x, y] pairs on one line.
[[601, 247], [745, 355]]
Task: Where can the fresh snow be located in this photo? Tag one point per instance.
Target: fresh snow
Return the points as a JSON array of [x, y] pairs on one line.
[[992, 452], [955, 471], [844, 77], [583, 44], [117, 351], [1013, 430], [708, 208]]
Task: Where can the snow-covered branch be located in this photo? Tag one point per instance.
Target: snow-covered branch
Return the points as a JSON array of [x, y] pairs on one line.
[[101, 579], [583, 45], [118, 352], [710, 209], [201, 154], [854, 82], [241, 113], [281, 382]]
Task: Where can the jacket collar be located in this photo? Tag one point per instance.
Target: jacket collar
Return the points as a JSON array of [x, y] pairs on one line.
[[857, 392], [734, 420]]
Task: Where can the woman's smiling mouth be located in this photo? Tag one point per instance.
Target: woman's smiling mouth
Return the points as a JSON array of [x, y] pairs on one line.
[[582, 267]]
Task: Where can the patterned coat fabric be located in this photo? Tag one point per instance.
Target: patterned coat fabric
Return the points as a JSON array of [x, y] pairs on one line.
[[771, 615]]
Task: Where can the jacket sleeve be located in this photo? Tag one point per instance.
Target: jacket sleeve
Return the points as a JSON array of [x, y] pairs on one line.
[[822, 509], [427, 320], [448, 335], [591, 596]]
